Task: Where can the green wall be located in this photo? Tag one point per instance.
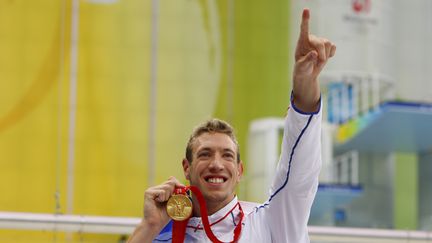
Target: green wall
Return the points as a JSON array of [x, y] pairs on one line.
[[261, 78], [406, 198]]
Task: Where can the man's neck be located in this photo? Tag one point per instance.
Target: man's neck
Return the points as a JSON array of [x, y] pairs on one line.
[[212, 207]]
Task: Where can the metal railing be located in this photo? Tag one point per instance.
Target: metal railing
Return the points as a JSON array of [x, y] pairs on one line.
[[126, 225]]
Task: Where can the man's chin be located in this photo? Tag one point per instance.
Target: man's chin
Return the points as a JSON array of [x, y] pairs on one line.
[[214, 197], [218, 198]]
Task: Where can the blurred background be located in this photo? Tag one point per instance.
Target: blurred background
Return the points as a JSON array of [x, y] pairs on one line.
[[99, 98]]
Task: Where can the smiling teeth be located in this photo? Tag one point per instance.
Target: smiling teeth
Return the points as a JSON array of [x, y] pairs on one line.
[[215, 180]]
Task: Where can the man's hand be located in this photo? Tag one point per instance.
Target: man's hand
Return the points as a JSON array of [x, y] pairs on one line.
[[155, 199], [155, 215], [311, 55]]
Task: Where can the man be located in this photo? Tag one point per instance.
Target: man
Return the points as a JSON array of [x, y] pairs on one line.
[[213, 165]]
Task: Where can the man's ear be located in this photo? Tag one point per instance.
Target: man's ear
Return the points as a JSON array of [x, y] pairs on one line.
[[239, 171], [186, 168]]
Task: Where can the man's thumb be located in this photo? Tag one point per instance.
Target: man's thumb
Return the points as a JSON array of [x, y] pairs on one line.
[[311, 56], [307, 61]]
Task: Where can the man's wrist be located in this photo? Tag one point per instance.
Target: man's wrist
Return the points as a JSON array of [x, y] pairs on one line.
[[312, 107], [145, 232]]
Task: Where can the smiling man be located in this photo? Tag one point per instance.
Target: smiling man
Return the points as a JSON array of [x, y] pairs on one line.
[[213, 165]]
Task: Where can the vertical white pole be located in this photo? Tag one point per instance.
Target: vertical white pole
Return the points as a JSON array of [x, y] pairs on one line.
[[355, 99], [336, 104], [354, 167], [344, 168], [375, 91], [60, 104], [72, 106], [230, 61], [327, 153], [153, 94], [272, 144], [345, 102], [365, 94]]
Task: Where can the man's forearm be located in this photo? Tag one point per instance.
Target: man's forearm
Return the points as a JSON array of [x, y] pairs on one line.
[[306, 95], [143, 233]]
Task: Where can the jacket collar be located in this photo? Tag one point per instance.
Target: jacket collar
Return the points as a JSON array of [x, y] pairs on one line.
[[222, 222]]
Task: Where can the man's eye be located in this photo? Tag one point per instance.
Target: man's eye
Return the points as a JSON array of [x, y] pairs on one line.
[[203, 155], [229, 155]]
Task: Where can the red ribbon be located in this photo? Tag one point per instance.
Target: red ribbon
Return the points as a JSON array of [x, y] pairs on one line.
[[179, 227]]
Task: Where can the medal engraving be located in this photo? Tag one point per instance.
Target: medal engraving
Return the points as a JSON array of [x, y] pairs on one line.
[[179, 207]]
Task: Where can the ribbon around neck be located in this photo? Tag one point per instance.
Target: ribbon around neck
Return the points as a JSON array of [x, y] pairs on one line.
[[179, 227]]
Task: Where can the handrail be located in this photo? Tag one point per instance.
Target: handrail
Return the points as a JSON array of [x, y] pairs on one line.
[[126, 225], [370, 233], [68, 223]]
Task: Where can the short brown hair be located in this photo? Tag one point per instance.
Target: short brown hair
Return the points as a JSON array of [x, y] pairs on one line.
[[211, 126]]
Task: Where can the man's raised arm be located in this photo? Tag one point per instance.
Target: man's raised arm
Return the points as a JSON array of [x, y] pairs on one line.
[[287, 211], [311, 55]]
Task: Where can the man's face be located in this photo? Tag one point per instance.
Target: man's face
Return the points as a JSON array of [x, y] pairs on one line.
[[214, 168]]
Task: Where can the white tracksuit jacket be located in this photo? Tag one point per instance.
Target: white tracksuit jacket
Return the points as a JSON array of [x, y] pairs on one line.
[[283, 218]]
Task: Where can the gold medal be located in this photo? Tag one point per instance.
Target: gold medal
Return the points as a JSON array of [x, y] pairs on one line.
[[179, 207]]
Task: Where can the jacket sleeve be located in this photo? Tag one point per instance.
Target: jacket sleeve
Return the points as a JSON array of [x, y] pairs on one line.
[[287, 210]]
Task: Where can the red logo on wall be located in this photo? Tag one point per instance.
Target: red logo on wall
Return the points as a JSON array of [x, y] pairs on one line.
[[361, 6]]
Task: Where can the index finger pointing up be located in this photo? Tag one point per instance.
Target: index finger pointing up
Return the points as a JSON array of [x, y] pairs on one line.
[[304, 27]]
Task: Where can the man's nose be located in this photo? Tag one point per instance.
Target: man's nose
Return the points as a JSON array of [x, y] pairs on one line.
[[216, 163]]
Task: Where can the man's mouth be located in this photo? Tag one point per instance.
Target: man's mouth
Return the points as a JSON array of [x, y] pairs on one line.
[[215, 180]]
